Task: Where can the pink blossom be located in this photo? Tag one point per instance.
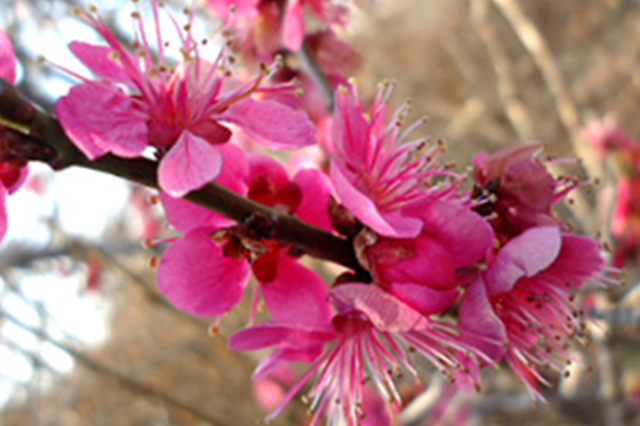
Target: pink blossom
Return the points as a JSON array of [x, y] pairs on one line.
[[606, 136], [371, 337], [623, 152], [376, 172], [262, 28], [206, 271], [519, 188], [423, 271], [180, 111], [13, 171], [528, 287]]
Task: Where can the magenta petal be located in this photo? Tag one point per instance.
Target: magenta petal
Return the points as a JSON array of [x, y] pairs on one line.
[[480, 327], [293, 26], [580, 258], [284, 336], [3, 212], [385, 311], [277, 357], [466, 234], [7, 58], [186, 216], [297, 295], [235, 171], [349, 131], [423, 299], [524, 256], [23, 174], [262, 166], [316, 189], [275, 125], [190, 164], [198, 278], [392, 224], [100, 121], [99, 60]]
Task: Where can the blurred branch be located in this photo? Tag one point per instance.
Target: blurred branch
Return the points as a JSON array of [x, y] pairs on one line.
[[513, 106], [122, 379], [17, 256], [542, 57]]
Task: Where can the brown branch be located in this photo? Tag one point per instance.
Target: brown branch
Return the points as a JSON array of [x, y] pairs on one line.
[[537, 47], [515, 109], [117, 376], [286, 228]]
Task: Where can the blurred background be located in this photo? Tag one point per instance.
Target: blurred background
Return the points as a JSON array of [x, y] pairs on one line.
[[85, 338]]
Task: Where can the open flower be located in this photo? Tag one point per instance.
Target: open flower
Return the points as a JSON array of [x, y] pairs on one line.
[[206, 271], [519, 188], [529, 288], [181, 110], [369, 339], [13, 171], [376, 171]]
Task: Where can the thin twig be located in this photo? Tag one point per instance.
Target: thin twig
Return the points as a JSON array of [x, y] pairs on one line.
[[507, 88], [535, 44], [122, 379]]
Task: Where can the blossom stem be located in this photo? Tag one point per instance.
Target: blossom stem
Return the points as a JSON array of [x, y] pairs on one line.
[[288, 229]]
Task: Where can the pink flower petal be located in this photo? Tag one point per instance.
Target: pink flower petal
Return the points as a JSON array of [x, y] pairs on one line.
[[100, 121], [465, 233], [423, 260], [385, 311], [275, 125], [524, 256], [190, 164], [278, 335], [276, 358], [391, 224], [316, 189], [480, 327], [580, 258], [211, 131], [100, 61], [293, 26], [13, 174], [423, 299], [349, 131], [198, 278], [7, 58], [262, 166], [186, 216], [296, 289], [495, 165], [3, 212]]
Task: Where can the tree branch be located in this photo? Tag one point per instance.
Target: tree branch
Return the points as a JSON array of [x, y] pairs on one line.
[[117, 376], [286, 228]]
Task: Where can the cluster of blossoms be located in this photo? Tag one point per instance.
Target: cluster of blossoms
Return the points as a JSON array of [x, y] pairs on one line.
[[462, 278]]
